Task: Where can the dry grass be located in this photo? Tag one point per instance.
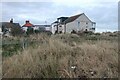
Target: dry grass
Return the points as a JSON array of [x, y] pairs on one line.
[[69, 56]]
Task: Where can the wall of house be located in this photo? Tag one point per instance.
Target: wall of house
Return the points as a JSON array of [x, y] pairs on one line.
[[47, 28], [0, 30], [53, 28], [25, 28], [86, 26], [85, 23], [61, 28], [82, 23], [71, 26], [36, 28]]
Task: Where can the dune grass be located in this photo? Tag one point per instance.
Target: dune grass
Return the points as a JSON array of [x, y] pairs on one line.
[[64, 56]]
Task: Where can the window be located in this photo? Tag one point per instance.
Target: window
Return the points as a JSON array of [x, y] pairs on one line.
[[78, 24], [86, 23], [86, 30], [93, 28], [60, 31]]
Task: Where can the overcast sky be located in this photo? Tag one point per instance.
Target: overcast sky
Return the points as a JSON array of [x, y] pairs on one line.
[[104, 13]]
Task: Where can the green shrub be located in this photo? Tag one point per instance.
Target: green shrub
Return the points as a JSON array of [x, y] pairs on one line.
[[97, 33], [92, 38], [10, 49], [16, 31], [30, 31]]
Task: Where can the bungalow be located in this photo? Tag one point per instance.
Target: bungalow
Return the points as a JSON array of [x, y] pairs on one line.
[[75, 23], [27, 25]]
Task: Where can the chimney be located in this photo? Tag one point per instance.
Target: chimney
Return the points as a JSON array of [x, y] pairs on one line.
[[27, 21], [11, 21]]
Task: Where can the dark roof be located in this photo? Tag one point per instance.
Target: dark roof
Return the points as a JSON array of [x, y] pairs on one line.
[[42, 25], [63, 17], [39, 25], [55, 22], [47, 25], [9, 25], [72, 18]]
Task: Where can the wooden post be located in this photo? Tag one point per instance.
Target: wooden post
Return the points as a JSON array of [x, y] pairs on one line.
[[23, 44]]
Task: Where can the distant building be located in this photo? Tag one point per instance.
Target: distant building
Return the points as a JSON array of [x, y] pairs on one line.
[[7, 27], [47, 27], [35, 27], [27, 25], [75, 23], [42, 27]]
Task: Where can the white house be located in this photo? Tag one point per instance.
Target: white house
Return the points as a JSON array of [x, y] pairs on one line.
[[54, 27], [75, 23]]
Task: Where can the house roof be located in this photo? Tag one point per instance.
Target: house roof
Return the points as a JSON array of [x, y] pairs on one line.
[[9, 25], [62, 17], [28, 24], [55, 22], [42, 25], [72, 18]]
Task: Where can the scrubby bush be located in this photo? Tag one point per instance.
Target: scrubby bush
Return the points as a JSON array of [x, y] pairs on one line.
[[16, 31], [73, 32], [37, 31], [97, 33], [30, 31], [10, 50], [88, 32]]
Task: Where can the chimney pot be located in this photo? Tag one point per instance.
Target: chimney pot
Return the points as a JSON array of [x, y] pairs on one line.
[[11, 21], [27, 21]]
